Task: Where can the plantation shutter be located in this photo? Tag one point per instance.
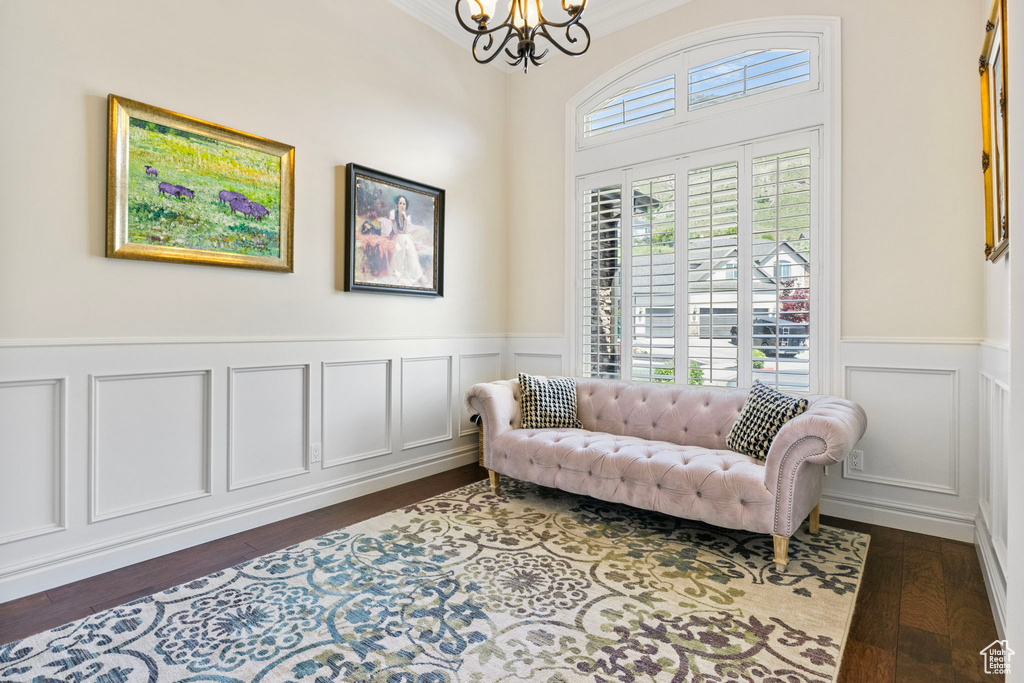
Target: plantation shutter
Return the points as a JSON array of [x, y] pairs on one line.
[[601, 282], [713, 274], [723, 297], [652, 280], [781, 269]]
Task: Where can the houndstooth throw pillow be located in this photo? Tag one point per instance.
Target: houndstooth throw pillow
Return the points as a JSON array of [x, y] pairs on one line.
[[548, 404], [763, 415]]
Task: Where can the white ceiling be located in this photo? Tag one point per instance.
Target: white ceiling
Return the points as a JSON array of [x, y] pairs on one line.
[[601, 16]]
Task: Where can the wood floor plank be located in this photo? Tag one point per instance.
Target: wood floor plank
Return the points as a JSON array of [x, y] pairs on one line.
[[123, 599], [971, 625], [30, 623], [158, 571], [863, 663], [29, 603], [923, 657], [278, 535], [915, 540], [961, 567], [876, 618], [923, 600], [886, 541]]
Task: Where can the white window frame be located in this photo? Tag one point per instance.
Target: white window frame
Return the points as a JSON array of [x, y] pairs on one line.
[[760, 120]]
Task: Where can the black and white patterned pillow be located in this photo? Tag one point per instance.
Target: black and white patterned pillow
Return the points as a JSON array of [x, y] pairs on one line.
[[763, 415], [548, 404]]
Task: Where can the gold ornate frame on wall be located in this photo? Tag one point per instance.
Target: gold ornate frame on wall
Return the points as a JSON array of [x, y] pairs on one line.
[[119, 242], [994, 108]]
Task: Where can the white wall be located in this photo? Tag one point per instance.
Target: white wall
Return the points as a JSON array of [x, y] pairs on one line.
[[341, 80], [124, 432]]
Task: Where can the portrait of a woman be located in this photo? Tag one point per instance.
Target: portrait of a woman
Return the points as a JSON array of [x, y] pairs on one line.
[[396, 230]]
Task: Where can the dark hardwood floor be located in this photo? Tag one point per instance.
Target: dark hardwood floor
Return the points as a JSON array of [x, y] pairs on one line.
[[922, 613]]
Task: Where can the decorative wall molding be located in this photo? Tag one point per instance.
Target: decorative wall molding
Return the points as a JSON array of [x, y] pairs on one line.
[[445, 436], [917, 518], [233, 420], [312, 496], [998, 346], [993, 445], [931, 341], [59, 483], [953, 488], [464, 385], [522, 362], [325, 409], [147, 341], [96, 513], [992, 571]]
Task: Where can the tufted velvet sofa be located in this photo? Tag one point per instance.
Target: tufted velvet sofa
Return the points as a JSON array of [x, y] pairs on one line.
[[662, 447]]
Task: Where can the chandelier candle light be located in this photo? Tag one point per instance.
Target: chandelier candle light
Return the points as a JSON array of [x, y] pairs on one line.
[[517, 35]]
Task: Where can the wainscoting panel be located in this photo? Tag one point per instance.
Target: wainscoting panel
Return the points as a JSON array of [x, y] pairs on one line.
[[356, 411], [994, 454], [32, 445], [544, 364], [268, 424], [426, 401], [921, 449], [475, 369], [150, 441], [920, 465]]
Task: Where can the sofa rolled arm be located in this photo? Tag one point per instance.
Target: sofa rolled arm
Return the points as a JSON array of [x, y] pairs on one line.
[[823, 435], [497, 405]]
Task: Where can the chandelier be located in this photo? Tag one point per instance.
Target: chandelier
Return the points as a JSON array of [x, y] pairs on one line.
[[516, 36]]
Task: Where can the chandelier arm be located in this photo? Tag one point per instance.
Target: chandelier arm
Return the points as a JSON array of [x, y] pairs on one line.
[[481, 19], [488, 53], [575, 13], [572, 49]]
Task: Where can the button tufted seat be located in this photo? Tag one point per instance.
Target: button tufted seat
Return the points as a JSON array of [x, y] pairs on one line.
[[663, 447], [720, 487]]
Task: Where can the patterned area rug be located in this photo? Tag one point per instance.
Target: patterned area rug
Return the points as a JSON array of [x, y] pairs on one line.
[[533, 585]]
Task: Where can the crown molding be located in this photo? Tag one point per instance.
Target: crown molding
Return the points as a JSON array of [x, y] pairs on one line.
[[601, 18]]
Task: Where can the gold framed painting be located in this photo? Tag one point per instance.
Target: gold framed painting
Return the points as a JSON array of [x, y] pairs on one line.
[[188, 191], [995, 154]]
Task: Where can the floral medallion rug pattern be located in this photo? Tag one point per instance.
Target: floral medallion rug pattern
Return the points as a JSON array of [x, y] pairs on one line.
[[532, 585]]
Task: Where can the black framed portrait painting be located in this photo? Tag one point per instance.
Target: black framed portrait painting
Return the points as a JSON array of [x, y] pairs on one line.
[[394, 234]]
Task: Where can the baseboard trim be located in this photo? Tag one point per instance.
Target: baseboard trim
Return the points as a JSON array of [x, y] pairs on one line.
[[922, 520], [995, 581], [61, 568]]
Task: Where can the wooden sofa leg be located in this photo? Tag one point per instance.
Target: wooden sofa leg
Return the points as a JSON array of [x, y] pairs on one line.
[[781, 550], [495, 481], [815, 520]]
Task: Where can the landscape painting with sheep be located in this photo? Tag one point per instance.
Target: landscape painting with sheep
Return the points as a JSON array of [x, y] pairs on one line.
[[184, 190], [195, 192]]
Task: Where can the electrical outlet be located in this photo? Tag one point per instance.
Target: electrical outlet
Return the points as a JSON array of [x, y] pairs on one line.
[[857, 461], [826, 470], [314, 453]]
